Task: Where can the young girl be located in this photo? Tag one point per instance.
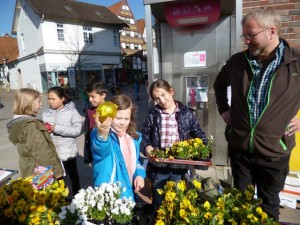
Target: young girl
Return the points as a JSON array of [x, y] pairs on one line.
[[168, 122], [33, 141], [65, 125], [115, 149]]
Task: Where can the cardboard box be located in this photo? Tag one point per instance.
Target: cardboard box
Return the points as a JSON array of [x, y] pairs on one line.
[[292, 185], [290, 195]]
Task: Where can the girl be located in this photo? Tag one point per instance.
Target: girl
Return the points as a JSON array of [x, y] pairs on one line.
[[33, 141], [65, 125], [115, 149], [168, 122]]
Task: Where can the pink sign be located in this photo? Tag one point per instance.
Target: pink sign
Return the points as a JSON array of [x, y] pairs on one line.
[[204, 12]]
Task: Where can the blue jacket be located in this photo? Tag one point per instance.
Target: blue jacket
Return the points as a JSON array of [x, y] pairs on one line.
[[188, 126], [109, 164]]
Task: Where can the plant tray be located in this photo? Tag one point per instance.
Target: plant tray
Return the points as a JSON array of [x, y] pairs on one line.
[[181, 163]]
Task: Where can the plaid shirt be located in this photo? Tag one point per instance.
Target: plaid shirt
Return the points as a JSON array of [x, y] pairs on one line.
[[169, 128], [259, 90]]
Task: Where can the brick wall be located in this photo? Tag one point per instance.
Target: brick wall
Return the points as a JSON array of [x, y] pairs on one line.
[[290, 16]]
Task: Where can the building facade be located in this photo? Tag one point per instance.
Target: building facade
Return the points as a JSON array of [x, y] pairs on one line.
[[134, 60], [65, 43]]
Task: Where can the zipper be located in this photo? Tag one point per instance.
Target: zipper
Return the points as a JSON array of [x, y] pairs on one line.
[[250, 117], [283, 145]]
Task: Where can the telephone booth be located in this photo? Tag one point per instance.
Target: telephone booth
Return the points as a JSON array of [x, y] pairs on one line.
[[188, 42]]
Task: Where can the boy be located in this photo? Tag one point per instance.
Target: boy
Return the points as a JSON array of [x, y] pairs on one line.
[[96, 92]]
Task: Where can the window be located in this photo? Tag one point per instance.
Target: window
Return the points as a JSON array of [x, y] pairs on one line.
[[127, 46], [127, 33], [22, 41], [116, 38], [60, 32], [136, 47], [88, 35]]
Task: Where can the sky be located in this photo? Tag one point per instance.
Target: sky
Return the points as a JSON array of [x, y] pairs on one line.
[[7, 8]]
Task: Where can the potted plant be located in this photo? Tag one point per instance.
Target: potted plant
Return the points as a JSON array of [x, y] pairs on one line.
[[27, 201], [183, 154], [99, 205]]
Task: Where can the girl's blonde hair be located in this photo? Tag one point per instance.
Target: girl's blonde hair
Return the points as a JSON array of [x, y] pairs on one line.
[[123, 102], [24, 101]]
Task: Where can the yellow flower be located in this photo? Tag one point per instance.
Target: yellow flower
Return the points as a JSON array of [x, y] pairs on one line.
[[220, 218], [160, 191], [170, 196], [233, 222], [159, 222], [206, 205], [185, 203], [181, 185], [183, 214], [259, 210], [197, 184], [208, 215], [8, 212], [22, 217]]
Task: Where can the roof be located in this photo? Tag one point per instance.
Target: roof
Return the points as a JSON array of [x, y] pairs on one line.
[[116, 8], [8, 49], [71, 9], [140, 24]]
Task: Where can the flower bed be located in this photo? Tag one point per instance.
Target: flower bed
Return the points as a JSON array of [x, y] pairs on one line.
[[183, 205], [22, 202]]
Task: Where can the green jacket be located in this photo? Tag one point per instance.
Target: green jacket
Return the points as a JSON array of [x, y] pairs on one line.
[[34, 145]]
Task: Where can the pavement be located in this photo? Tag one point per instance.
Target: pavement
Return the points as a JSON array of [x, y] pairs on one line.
[[9, 155]]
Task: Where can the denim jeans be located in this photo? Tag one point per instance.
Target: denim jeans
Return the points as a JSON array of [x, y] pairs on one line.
[[159, 180]]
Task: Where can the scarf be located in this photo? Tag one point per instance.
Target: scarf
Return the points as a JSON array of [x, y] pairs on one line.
[[128, 152]]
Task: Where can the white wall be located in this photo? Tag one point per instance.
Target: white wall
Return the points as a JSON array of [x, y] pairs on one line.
[[30, 73], [103, 38], [28, 26]]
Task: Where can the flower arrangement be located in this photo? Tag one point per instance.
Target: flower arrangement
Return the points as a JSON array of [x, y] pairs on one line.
[[182, 205], [99, 205], [188, 149], [28, 201]]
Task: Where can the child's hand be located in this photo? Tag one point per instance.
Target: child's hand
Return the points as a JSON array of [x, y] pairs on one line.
[[139, 183], [103, 128], [148, 152], [49, 127]]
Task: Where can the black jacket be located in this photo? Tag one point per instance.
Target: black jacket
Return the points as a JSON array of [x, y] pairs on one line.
[[188, 127]]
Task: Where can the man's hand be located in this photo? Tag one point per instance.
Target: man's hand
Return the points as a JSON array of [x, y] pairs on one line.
[[226, 117], [293, 126]]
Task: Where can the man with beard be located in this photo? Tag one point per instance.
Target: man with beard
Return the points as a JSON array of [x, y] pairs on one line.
[[265, 99]]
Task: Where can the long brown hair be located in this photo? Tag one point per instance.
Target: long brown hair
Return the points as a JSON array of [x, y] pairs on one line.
[[124, 102], [163, 84]]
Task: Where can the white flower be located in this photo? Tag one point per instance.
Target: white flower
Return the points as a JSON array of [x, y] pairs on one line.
[[105, 197]]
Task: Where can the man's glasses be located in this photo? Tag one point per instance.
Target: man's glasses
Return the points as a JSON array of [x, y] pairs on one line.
[[245, 37]]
